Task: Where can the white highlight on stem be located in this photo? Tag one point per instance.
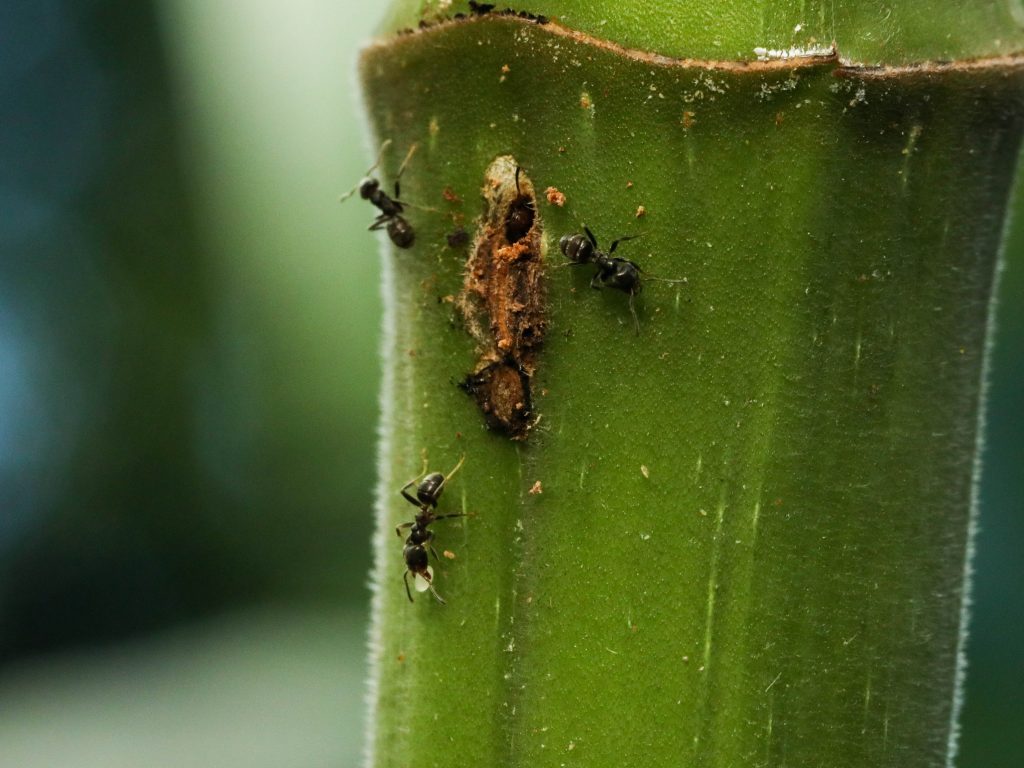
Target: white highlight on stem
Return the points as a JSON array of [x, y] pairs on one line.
[[867, 704], [384, 482], [796, 52], [908, 152], [713, 584], [953, 740]]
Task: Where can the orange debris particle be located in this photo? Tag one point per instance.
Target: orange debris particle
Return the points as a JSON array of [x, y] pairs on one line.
[[554, 196]]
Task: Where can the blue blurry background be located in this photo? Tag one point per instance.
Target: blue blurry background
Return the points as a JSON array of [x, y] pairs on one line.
[[188, 376]]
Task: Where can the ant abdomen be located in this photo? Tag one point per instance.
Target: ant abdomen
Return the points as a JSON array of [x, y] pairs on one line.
[[416, 559], [401, 232], [577, 248]]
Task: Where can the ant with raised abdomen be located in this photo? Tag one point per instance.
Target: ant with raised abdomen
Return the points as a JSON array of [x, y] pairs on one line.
[[612, 271], [391, 208], [428, 492]]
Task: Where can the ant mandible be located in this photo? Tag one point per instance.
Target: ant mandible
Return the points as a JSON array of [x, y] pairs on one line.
[[612, 271], [428, 491], [399, 230]]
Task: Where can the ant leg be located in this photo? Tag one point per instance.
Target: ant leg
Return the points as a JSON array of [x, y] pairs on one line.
[[430, 586], [454, 514], [380, 222], [427, 577], [405, 578], [398, 528], [590, 236], [414, 501], [632, 310], [596, 283], [434, 552]]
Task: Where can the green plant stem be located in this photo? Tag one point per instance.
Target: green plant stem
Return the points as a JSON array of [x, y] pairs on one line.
[[750, 538]]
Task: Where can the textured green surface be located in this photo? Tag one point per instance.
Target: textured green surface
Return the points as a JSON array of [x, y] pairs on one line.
[[784, 586], [865, 31]]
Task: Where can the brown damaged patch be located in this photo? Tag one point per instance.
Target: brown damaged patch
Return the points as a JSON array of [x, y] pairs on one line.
[[502, 299], [503, 393]]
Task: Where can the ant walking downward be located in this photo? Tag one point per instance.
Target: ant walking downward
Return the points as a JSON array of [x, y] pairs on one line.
[[612, 271], [391, 208], [420, 538]]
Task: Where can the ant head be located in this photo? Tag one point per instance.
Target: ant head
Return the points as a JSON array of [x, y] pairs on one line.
[[367, 188]]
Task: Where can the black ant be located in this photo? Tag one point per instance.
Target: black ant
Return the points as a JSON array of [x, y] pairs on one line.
[[428, 491], [519, 218], [399, 230], [612, 271]]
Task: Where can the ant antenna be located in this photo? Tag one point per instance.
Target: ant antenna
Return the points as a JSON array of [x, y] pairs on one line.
[[408, 157], [380, 156], [371, 169], [457, 468]]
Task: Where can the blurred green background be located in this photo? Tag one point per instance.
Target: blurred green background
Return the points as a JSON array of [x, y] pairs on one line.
[[188, 395]]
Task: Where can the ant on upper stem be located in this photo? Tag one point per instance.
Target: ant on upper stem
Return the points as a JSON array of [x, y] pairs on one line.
[[391, 208], [420, 538], [612, 271]]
